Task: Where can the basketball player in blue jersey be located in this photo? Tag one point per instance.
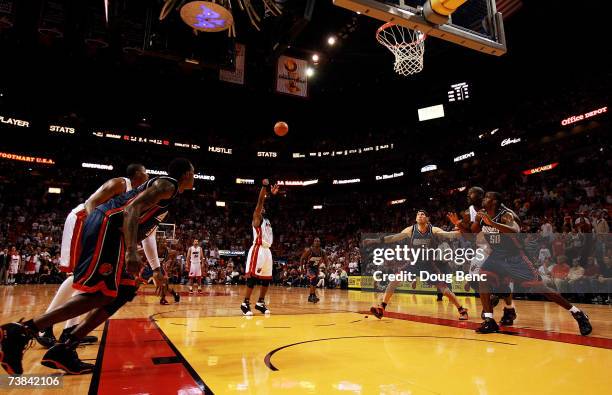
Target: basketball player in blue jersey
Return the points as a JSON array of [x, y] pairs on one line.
[[71, 237], [474, 197], [422, 235], [313, 257], [259, 259], [105, 271], [507, 258], [166, 256]]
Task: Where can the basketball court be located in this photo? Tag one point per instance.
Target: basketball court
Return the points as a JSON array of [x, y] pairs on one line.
[[204, 345]]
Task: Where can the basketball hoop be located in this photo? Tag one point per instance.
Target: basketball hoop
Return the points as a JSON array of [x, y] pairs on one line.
[[406, 44]]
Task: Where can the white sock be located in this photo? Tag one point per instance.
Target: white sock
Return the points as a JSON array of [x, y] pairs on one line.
[[488, 315], [574, 309], [62, 295]]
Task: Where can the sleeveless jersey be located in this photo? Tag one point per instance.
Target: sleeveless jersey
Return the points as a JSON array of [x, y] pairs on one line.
[[195, 254], [150, 218], [501, 244], [422, 240], [262, 235], [315, 258]]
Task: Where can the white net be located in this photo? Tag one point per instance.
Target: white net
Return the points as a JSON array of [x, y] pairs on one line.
[[407, 45]]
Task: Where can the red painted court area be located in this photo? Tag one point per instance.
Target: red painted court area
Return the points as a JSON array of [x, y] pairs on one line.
[[131, 353]]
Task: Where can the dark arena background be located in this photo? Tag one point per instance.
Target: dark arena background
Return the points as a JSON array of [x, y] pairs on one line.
[[441, 123]]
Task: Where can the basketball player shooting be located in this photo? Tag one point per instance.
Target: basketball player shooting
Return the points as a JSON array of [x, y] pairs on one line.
[[259, 259]]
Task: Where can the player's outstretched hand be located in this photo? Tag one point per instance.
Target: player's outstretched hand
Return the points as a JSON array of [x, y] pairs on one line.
[[265, 182], [275, 188], [453, 218], [483, 215]]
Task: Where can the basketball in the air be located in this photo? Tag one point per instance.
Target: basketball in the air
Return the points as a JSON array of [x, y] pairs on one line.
[[281, 128]]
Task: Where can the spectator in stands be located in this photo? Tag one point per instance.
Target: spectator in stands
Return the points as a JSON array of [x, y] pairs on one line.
[[544, 254], [601, 225], [5, 260], [547, 230], [575, 280], [544, 272], [559, 274]]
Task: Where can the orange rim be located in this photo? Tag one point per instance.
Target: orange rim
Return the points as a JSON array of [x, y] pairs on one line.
[[389, 24]]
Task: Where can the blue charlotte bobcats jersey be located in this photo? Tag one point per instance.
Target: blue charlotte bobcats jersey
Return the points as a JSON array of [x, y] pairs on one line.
[[149, 219]]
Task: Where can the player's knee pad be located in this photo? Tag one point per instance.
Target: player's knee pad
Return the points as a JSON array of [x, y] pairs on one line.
[[251, 282], [126, 293], [265, 283]]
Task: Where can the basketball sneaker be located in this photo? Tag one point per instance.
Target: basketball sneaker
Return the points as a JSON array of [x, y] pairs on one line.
[[261, 306], [63, 356], [463, 313], [85, 340], [508, 317], [246, 308], [190, 291], [163, 302], [377, 311], [46, 338], [583, 323], [15, 339], [199, 291], [488, 326], [312, 298]]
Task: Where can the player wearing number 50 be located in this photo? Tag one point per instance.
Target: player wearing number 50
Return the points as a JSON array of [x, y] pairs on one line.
[[507, 259]]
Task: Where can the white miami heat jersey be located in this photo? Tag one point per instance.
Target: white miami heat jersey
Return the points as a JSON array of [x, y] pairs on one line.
[[262, 235], [195, 254]]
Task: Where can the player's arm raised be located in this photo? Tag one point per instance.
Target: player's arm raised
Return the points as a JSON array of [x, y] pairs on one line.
[[159, 190], [257, 216], [110, 188]]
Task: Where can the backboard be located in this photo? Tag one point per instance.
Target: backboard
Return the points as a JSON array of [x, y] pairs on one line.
[[476, 24]]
